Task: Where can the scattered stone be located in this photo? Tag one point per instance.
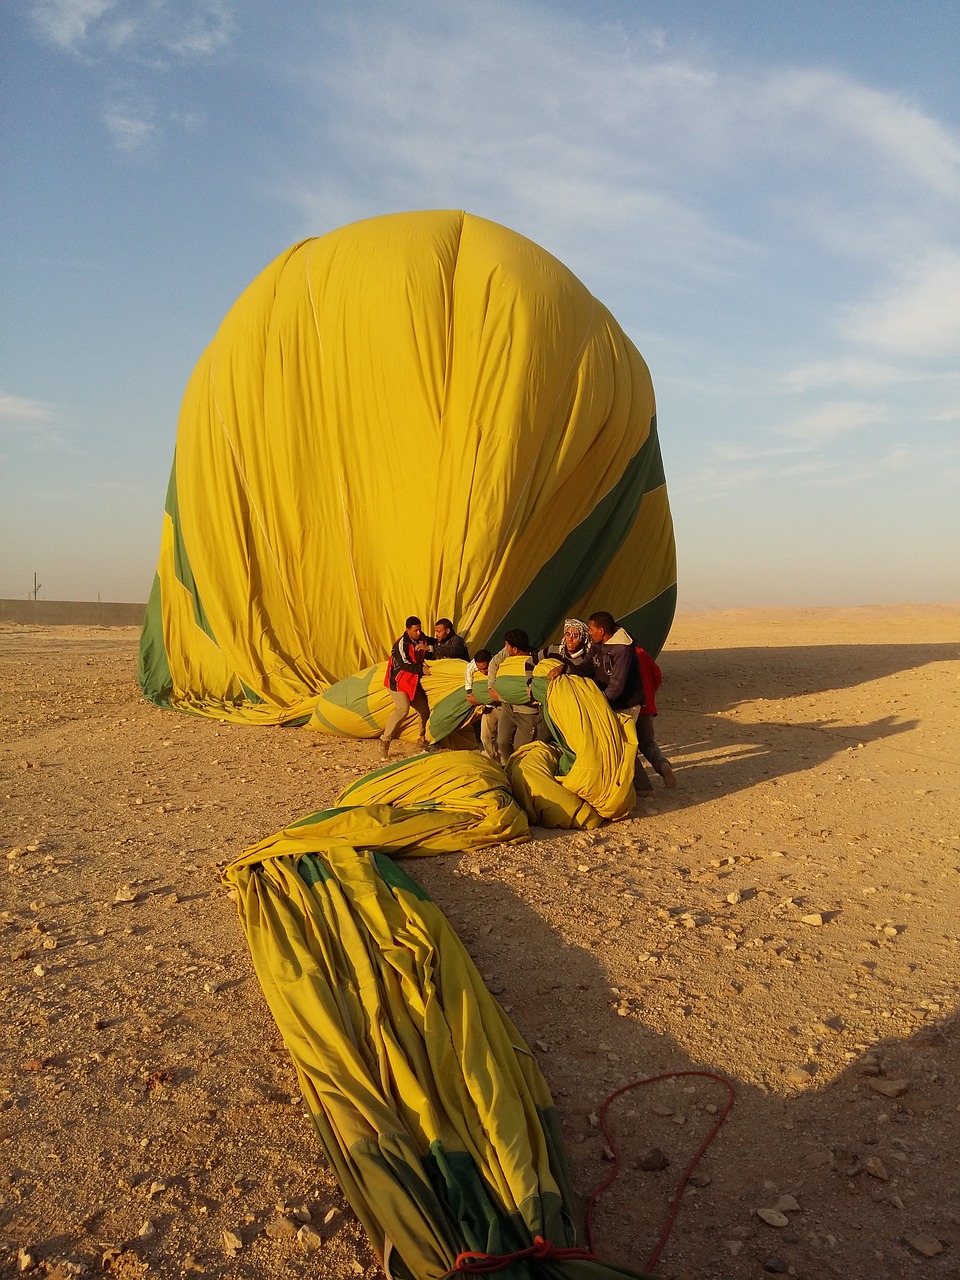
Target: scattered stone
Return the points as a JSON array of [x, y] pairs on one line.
[[281, 1228], [331, 1220], [814, 919], [799, 1075], [699, 1179], [876, 1168], [926, 1246], [787, 1204], [661, 1109], [772, 1217], [309, 1238], [25, 1260], [147, 1230], [890, 1088], [652, 1160], [125, 893], [232, 1243], [776, 1265]]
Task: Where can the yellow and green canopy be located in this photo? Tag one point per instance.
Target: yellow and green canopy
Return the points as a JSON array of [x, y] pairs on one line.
[[420, 413], [430, 1107]]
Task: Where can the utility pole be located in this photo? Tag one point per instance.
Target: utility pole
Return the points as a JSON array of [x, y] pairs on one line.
[[36, 588]]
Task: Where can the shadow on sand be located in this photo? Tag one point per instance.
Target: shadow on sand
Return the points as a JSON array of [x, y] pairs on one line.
[[864, 1168]]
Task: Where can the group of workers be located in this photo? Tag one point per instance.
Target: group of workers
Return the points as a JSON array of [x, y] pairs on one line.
[[597, 650]]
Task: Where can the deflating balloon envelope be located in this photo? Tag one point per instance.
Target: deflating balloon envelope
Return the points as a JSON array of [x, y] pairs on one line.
[[420, 413]]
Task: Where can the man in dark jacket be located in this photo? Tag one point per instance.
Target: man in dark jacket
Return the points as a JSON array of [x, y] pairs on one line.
[[446, 643], [616, 669]]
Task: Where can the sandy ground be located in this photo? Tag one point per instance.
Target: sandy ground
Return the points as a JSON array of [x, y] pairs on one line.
[[788, 916]]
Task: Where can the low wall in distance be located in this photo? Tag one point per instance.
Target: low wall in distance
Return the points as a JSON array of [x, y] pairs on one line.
[[77, 613]]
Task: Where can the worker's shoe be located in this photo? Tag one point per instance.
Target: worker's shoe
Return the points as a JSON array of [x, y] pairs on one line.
[[667, 774]]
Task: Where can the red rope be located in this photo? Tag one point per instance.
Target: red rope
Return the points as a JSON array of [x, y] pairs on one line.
[[482, 1264], [675, 1206]]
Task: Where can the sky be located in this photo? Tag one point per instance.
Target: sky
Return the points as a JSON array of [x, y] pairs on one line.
[[765, 193]]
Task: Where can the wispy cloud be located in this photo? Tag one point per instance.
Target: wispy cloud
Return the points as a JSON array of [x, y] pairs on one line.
[[69, 24], [130, 123], [135, 42], [38, 422], [918, 312], [634, 155], [850, 371], [100, 29], [832, 419]]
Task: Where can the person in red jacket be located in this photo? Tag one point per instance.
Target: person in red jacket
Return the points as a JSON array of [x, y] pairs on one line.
[[404, 672], [629, 678]]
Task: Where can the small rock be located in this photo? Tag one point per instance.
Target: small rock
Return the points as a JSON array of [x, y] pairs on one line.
[[814, 919], [699, 1179], [776, 1265], [309, 1238], [799, 1075], [652, 1160], [661, 1109], [281, 1228], [876, 1168], [155, 1189], [926, 1246], [889, 1088], [147, 1230], [787, 1204], [25, 1260], [125, 893], [232, 1242], [772, 1217]]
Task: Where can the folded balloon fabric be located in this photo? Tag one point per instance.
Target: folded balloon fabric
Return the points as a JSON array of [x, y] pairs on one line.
[[430, 1107]]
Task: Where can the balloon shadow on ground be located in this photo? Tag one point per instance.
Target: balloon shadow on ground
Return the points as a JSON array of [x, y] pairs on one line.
[[867, 1156], [706, 692]]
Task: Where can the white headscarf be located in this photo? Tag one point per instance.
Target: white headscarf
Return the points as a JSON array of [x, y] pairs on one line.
[[583, 635]]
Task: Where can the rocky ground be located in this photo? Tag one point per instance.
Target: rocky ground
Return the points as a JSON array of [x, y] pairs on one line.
[[787, 917]]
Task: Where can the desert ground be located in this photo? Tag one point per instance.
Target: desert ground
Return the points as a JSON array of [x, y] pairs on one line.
[[788, 917]]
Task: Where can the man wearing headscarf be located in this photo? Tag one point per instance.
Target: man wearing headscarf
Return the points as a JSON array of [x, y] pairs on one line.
[[574, 649]]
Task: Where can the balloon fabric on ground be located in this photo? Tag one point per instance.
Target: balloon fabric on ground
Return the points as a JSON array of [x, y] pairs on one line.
[[429, 1105], [419, 413]]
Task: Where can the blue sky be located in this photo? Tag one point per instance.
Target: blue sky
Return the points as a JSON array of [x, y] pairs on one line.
[[766, 195]]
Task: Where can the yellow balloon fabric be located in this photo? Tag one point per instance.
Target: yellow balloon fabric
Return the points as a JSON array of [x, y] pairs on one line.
[[603, 741], [360, 706], [431, 1109], [420, 413], [531, 771]]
